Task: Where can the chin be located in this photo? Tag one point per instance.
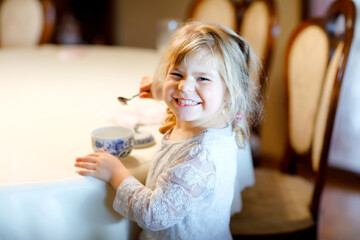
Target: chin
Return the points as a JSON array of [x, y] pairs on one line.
[[185, 118]]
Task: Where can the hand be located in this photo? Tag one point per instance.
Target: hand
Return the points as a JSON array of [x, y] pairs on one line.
[[145, 87], [103, 166]]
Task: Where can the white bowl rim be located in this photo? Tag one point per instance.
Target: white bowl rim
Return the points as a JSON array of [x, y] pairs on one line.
[[129, 132]]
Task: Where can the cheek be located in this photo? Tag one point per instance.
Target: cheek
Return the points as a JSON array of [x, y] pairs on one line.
[[215, 96], [167, 91]]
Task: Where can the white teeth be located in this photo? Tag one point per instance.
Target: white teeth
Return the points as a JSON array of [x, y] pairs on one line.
[[187, 102]]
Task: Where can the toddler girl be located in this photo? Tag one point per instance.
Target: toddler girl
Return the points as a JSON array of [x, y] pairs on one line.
[[204, 77]]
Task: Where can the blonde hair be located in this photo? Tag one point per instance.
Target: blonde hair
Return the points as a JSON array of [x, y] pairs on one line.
[[237, 64]]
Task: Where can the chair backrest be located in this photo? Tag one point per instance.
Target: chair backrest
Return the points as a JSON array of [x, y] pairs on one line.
[[309, 80], [26, 22], [306, 61], [340, 43], [214, 11], [49, 21], [257, 23]]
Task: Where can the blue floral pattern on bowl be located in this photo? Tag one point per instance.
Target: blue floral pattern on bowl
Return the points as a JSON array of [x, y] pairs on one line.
[[118, 141], [116, 147], [144, 141]]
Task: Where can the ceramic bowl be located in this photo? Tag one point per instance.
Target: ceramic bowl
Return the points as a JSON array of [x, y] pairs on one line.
[[118, 141]]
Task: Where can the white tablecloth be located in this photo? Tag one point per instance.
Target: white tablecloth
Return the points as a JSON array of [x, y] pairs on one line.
[[50, 100]]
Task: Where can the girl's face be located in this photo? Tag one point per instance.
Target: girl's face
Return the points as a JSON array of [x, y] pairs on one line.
[[194, 90]]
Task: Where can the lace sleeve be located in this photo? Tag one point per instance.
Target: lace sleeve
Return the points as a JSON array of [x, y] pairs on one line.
[[178, 190]]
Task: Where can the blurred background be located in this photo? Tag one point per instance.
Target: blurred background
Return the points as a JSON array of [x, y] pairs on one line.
[[134, 23]]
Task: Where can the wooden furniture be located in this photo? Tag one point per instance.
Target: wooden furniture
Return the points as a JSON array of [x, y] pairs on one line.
[[26, 22], [340, 44], [214, 11], [345, 145], [283, 205], [305, 67], [49, 21], [257, 21]]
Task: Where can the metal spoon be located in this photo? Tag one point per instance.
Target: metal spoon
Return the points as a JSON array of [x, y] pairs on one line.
[[124, 100]]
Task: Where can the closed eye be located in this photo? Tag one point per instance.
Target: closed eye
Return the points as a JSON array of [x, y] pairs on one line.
[[203, 79], [176, 75]]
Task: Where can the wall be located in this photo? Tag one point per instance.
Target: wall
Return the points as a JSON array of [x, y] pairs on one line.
[[136, 19]]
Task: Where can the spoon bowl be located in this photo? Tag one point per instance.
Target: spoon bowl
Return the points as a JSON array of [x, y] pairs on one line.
[[125, 100]]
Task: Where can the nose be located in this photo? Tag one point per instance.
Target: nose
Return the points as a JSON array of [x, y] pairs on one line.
[[186, 85]]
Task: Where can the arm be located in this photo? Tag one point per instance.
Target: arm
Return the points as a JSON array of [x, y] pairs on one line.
[[178, 190], [103, 166]]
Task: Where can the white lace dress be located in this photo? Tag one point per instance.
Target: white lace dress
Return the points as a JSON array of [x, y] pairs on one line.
[[189, 189]]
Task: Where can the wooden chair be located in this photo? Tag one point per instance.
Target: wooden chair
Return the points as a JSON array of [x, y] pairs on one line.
[[340, 44], [49, 21], [214, 11], [282, 205], [257, 21], [26, 22]]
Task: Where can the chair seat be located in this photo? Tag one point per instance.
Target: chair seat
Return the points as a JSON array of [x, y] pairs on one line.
[[277, 203]]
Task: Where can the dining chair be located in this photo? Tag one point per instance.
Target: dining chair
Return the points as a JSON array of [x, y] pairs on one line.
[[25, 23], [341, 37], [282, 204], [214, 11], [257, 21], [300, 128]]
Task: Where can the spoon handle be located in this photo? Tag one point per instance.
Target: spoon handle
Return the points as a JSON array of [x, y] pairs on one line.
[[135, 95]]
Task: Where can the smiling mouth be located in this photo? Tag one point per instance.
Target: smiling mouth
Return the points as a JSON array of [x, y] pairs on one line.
[[186, 102]]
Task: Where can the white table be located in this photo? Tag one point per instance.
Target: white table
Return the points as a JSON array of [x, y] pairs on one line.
[[50, 100]]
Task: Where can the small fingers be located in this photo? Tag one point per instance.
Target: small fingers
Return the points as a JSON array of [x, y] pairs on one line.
[[89, 158], [90, 173], [145, 95], [86, 165], [101, 153], [145, 87]]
